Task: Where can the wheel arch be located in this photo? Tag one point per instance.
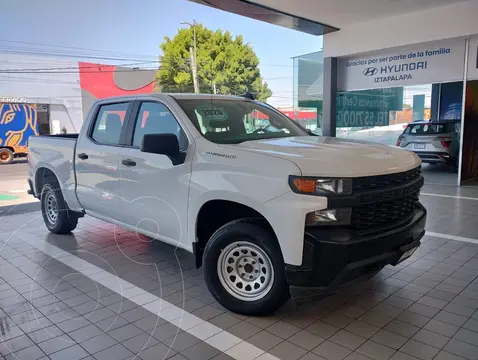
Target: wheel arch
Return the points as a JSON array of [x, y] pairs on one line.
[[214, 213], [11, 148], [41, 175]]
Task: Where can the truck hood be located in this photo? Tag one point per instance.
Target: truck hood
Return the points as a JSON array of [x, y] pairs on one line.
[[332, 157]]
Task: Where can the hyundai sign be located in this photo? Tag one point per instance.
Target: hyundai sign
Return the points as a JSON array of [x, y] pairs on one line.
[[412, 65]]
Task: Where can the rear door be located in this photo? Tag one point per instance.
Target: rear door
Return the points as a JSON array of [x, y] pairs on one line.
[[96, 159]]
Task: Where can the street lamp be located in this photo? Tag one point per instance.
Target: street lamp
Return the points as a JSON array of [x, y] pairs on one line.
[[194, 54]]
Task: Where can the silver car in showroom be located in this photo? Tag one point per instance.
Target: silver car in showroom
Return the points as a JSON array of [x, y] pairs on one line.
[[435, 142]]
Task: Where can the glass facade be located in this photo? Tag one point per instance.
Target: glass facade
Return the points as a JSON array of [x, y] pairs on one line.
[[381, 115], [308, 88], [378, 115]]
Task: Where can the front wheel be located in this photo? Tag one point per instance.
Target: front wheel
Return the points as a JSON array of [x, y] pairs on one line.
[[244, 269], [58, 219]]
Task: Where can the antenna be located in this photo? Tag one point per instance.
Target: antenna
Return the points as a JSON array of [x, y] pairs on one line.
[[248, 95]]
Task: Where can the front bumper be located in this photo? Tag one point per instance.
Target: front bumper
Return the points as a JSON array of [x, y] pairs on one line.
[[334, 257]]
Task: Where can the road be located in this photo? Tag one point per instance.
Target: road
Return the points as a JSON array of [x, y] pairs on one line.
[[14, 172], [13, 185]]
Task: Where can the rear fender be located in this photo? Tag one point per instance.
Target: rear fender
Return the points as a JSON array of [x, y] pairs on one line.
[[67, 187]]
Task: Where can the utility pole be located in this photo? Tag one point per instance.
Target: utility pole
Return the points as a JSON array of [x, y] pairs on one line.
[[214, 90], [194, 56], [194, 71]]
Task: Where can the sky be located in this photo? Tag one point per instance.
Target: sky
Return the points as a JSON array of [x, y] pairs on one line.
[[133, 30]]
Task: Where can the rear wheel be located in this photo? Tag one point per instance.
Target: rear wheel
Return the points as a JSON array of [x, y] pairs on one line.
[[244, 269], [6, 156], [58, 219]]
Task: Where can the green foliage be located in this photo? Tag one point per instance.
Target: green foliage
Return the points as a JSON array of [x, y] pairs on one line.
[[222, 60]]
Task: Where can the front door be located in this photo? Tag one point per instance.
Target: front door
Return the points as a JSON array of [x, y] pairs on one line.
[[154, 192], [96, 161]]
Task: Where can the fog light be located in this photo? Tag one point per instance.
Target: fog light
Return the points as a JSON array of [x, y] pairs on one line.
[[329, 217]]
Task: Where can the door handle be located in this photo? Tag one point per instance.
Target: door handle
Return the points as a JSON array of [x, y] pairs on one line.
[[128, 162], [83, 156]]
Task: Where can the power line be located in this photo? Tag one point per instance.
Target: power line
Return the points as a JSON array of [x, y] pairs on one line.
[[95, 54], [25, 52], [78, 71], [75, 67], [74, 48]]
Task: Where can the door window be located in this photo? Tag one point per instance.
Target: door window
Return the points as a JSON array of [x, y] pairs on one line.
[[109, 122], [155, 118]]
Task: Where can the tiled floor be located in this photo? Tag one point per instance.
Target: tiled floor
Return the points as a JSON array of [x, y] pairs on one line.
[[439, 174], [104, 293]]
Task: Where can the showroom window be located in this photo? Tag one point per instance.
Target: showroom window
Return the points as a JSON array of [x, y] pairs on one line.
[[381, 115], [308, 89]]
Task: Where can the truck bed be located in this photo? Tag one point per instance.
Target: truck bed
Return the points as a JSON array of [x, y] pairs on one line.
[[60, 136], [56, 153]]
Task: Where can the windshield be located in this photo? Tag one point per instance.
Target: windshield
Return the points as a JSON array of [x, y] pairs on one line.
[[431, 128], [226, 121]]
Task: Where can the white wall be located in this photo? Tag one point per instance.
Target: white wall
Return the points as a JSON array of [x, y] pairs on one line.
[[457, 20], [61, 89]]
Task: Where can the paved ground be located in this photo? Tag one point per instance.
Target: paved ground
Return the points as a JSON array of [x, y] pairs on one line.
[[13, 184], [439, 174], [105, 293]]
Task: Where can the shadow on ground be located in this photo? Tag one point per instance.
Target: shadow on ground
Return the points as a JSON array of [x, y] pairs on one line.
[[19, 208]]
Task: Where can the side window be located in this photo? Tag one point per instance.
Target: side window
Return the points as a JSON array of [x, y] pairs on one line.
[[155, 118], [109, 122]]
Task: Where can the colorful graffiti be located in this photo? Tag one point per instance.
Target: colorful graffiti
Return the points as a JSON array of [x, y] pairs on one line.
[[17, 123], [99, 81]]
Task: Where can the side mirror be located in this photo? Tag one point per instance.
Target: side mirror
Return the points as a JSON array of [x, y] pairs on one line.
[[164, 144]]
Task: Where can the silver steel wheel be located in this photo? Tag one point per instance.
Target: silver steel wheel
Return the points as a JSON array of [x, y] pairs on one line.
[[245, 271], [51, 208]]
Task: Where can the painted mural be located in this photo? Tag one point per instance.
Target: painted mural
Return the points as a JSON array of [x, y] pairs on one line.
[[17, 123], [99, 81]]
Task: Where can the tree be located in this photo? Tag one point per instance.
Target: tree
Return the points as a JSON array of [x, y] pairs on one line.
[[223, 62]]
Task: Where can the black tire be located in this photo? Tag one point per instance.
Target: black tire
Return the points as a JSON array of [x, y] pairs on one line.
[[66, 220], [6, 156], [246, 231]]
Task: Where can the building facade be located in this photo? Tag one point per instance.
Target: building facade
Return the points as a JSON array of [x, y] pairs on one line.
[[382, 59], [58, 92]]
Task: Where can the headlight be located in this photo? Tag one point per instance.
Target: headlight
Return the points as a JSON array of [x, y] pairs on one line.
[[319, 186], [334, 217]]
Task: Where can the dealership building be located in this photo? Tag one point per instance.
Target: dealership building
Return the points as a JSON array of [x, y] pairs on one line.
[[381, 60], [60, 91]]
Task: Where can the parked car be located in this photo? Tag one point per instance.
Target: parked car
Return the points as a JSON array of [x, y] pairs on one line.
[[435, 142], [267, 214]]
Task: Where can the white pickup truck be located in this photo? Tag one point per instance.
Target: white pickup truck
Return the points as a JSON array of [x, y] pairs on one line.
[[268, 210]]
